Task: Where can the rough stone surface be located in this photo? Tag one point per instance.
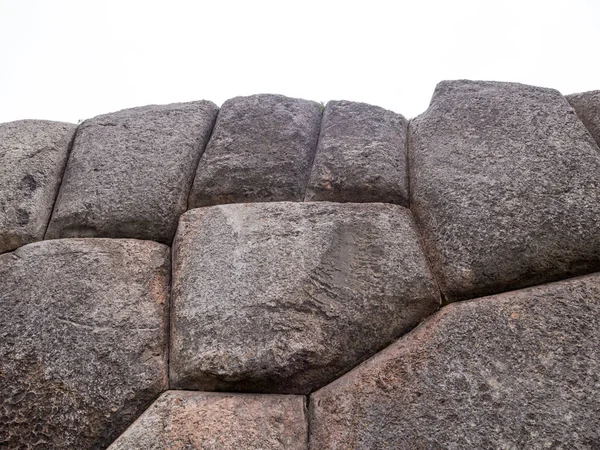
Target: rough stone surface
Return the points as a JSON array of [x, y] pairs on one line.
[[519, 370], [130, 172], [83, 338], [505, 187], [284, 297], [33, 154], [587, 107], [361, 156], [181, 420], [261, 150]]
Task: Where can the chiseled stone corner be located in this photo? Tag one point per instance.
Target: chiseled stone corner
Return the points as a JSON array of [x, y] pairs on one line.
[[587, 107], [219, 421], [130, 172], [33, 155], [285, 297], [261, 150], [516, 370], [83, 340], [361, 156], [505, 184]]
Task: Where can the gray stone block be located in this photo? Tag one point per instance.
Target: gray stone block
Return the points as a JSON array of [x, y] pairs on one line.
[[261, 150], [587, 107], [361, 156], [285, 297], [207, 420], [33, 154], [130, 172], [83, 340], [517, 370], [505, 187]]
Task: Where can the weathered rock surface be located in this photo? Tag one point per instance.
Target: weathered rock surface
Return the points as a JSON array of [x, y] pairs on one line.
[[505, 187], [361, 156], [284, 297], [83, 338], [587, 107], [261, 150], [517, 370], [33, 154], [130, 172], [181, 420]]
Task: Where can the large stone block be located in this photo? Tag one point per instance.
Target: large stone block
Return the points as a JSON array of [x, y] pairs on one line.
[[130, 172], [33, 154], [361, 156], [505, 187], [207, 420], [83, 340], [261, 150], [587, 107], [517, 370], [284, 297]]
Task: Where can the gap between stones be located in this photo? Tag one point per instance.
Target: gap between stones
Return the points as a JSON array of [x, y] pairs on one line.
[[314, 155], [201, 154], [62, 177]]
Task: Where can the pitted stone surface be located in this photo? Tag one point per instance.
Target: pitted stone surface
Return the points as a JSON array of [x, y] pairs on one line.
[[33, 154], [517, 370], [587, 107], [130, 172], [284, 297], [181, 420], [261, 150], [83, 338], [505, 187], [361, 156]]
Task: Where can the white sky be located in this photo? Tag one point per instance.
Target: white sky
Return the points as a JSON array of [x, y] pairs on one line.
[[70, 60]]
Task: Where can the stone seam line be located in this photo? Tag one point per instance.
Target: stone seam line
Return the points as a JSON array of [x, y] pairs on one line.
[[434, 274], [210, 135], [314, 156], [62, 176]]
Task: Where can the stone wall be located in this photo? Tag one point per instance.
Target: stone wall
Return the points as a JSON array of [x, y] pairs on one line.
[[275, 274]]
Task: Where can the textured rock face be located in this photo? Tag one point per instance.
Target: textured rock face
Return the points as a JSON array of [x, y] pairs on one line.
[[33, 154], [82, 340], [505, 187], [181, 420], [261, 150], [130, 172], [361, 156], [284, 297], [587, 106], [517, 370]]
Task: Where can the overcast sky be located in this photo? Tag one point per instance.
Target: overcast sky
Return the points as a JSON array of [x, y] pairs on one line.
[[71, 60]]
